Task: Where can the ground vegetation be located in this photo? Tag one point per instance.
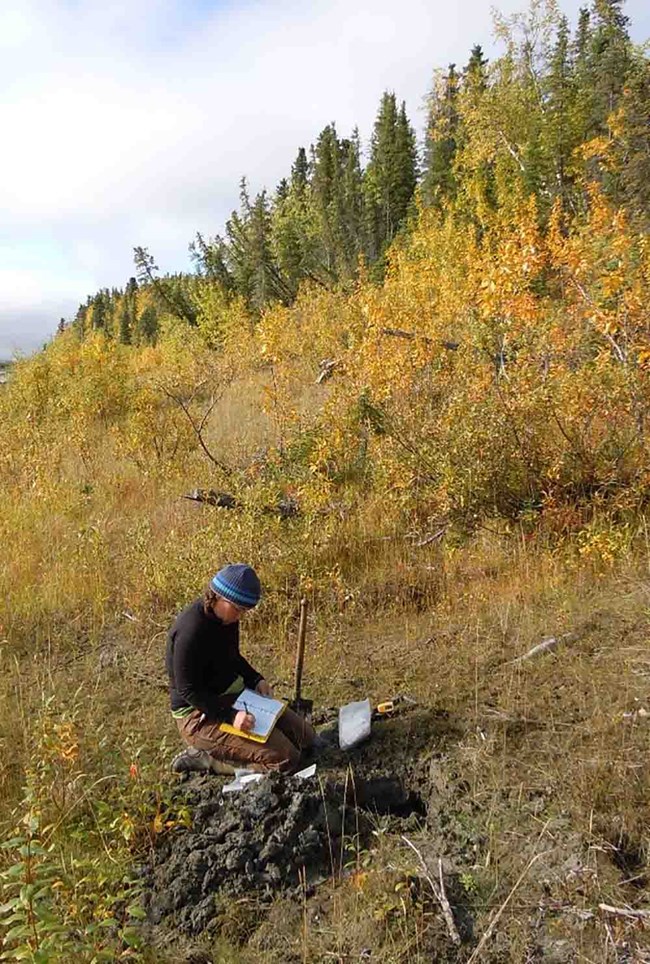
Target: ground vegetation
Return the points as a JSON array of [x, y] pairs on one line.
[[424, 405]]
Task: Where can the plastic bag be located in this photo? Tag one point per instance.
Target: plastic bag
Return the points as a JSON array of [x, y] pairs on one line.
[[354, 724]]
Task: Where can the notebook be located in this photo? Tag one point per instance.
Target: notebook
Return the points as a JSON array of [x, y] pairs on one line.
[[265, 710]]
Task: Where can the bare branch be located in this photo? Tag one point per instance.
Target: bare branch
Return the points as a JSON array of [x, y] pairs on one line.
[[198, 429], [616, 348], [429, 539], [624, 912], [438, 892], [546, 646]]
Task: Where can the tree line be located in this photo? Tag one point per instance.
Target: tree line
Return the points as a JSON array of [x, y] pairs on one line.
[[556, 111]]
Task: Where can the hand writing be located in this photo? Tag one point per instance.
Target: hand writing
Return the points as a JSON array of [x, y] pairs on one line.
[[244, 721]]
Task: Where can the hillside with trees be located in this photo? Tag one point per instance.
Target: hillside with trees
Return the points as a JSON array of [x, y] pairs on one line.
[[421, 374]]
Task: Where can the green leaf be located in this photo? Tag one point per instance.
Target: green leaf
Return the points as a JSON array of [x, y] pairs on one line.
[[18, 916], [51, 927], [22, 954], [43, 956], [135, 910], [21, 930], [10, 844], [5, 908], [132, 937], [43, 893], [27, 893]]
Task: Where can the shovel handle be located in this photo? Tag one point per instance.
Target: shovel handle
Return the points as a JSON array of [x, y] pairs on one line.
[[300, 652]]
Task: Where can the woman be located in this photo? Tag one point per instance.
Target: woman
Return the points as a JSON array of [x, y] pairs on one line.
[[206, 675]]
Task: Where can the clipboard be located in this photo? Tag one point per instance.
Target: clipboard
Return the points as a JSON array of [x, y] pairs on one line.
[[266, 711]]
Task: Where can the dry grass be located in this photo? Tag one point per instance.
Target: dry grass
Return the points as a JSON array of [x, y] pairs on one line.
[[547, 756]]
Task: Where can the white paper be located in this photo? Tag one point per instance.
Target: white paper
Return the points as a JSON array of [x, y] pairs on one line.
[[243, 779], [263, 708]]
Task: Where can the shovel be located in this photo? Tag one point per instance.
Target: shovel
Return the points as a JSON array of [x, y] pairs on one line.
[[298, 704]]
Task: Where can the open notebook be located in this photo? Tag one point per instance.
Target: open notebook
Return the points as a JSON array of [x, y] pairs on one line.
[[265, 710]]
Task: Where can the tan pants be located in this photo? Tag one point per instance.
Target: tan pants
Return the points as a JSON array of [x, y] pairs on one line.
[[281, 751]]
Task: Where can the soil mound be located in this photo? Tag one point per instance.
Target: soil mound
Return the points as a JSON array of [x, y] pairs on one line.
[[282, 834], [278, 834]]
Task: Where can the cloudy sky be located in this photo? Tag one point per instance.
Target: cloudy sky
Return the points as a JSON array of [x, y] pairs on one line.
[[128, 123]]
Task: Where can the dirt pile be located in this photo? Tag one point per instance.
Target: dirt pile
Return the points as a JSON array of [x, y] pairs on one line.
[[258, 839]]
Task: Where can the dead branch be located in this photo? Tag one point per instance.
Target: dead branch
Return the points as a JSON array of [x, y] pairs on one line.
[[327, 367], [616, 348], [438, 892], [546, 646], [429, 539], [198, 428], [624, 912]]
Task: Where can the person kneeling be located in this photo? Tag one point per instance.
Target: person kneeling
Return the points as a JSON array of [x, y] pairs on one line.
[[207, 673]]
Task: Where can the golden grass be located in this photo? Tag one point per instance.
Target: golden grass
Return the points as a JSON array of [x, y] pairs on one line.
[[96, 563]]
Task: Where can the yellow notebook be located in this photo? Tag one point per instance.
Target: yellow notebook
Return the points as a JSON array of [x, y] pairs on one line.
[[266, 711]]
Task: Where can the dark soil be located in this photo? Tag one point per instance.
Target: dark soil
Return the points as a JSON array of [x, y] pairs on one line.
[[248, 869], [280, 835]]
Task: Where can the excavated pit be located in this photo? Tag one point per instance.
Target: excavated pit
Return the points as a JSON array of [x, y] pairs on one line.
[[279, 835]]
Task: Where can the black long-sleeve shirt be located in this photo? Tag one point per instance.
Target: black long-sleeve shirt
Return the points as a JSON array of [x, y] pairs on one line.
[[203, 660]]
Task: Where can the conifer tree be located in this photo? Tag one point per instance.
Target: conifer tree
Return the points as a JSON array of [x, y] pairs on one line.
[[146, 328], [300, 171], [250, 253], [210, 258], [327, 196], [609, 60], [390, 176], [352, 224], [438, 182], [174, 299], [632, 143], [558, 135]]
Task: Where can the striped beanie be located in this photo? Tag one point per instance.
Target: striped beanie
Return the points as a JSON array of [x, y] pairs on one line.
[[239, 584]]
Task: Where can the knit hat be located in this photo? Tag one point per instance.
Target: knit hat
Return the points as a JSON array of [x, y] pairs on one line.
[[239, 584]]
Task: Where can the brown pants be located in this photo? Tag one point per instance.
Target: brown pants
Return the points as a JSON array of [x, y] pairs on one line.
[[281, 751]]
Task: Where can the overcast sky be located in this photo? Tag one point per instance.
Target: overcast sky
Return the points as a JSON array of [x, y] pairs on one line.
[[131, 123]]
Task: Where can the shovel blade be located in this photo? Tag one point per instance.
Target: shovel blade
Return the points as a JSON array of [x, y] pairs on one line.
[[302, 707]]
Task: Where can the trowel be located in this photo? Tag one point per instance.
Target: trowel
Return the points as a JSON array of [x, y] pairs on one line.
[[298, 704]]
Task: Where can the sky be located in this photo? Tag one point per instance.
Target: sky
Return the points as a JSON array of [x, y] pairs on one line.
[[132, 123]]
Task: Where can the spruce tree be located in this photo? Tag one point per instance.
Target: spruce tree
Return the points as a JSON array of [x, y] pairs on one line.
[[438, 182], [559, 135], [390, 176], [300, 171], [609, 60], [352, 206], [326, 194], [632, 144]]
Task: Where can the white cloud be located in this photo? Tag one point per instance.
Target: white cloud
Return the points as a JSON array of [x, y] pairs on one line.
[[131, 122]]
